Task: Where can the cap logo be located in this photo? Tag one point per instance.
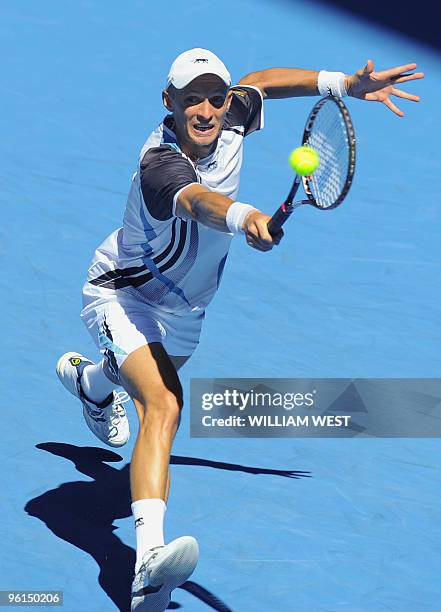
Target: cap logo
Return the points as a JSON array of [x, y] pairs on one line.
[[202, 60]]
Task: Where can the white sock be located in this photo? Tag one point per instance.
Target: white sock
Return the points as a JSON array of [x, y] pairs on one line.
[[149, 526], [95, 383]]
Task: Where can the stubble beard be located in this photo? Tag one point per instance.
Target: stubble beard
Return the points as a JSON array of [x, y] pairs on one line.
[[194, 149]]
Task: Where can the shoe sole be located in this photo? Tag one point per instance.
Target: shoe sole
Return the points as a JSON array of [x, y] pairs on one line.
[[180, 563], [180, 566]]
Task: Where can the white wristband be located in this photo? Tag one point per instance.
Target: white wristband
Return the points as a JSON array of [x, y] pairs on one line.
[[331, 83], [236, 215]]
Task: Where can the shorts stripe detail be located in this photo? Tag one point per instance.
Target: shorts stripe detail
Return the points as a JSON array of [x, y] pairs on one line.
[[109, 354]]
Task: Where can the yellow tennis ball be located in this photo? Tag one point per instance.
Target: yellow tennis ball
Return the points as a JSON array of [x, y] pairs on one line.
[[304, 160]]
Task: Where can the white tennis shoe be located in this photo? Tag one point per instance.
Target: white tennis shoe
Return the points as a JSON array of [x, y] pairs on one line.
[[107, 420], [163, 569]]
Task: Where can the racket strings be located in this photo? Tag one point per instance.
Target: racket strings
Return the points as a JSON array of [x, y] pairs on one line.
[[329, 138]]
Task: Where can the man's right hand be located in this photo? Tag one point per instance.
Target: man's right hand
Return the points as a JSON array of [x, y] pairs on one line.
[[256, 232]]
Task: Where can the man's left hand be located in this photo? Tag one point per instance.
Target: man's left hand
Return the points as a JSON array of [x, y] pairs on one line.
[[367, 84]]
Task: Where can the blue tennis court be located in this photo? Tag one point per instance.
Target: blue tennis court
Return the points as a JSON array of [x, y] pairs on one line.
[[305, 525]]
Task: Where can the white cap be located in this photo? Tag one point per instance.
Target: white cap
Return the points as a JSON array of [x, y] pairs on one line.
[[194, 63]]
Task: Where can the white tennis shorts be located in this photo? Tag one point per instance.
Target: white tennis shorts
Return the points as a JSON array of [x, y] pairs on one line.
[[120, 323]]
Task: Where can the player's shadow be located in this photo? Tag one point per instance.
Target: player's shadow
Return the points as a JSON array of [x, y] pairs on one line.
[[82, 513], [236, 467]]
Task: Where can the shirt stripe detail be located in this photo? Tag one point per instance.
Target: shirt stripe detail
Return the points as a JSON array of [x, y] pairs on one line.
[[118, 279]]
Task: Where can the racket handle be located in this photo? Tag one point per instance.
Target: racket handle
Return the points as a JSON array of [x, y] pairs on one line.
[[282, 214], [279, 218]]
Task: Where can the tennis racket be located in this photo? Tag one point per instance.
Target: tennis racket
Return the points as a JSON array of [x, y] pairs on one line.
[[330, 132]]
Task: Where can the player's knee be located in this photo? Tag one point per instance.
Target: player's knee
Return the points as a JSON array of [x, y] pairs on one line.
[[168, 409], [163, 409]]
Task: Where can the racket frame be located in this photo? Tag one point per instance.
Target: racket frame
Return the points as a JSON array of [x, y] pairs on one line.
[[350, 134], [285, 210]]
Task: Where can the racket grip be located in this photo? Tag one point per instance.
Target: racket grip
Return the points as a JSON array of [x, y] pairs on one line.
[[278, 219]]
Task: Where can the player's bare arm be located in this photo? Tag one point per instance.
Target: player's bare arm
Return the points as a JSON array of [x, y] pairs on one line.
[[198, 203], [365, 84], [277, 83]]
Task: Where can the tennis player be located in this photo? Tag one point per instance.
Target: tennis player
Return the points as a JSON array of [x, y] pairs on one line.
[[151, 280]]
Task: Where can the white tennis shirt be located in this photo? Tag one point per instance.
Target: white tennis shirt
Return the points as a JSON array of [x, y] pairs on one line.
[[156, 256]]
